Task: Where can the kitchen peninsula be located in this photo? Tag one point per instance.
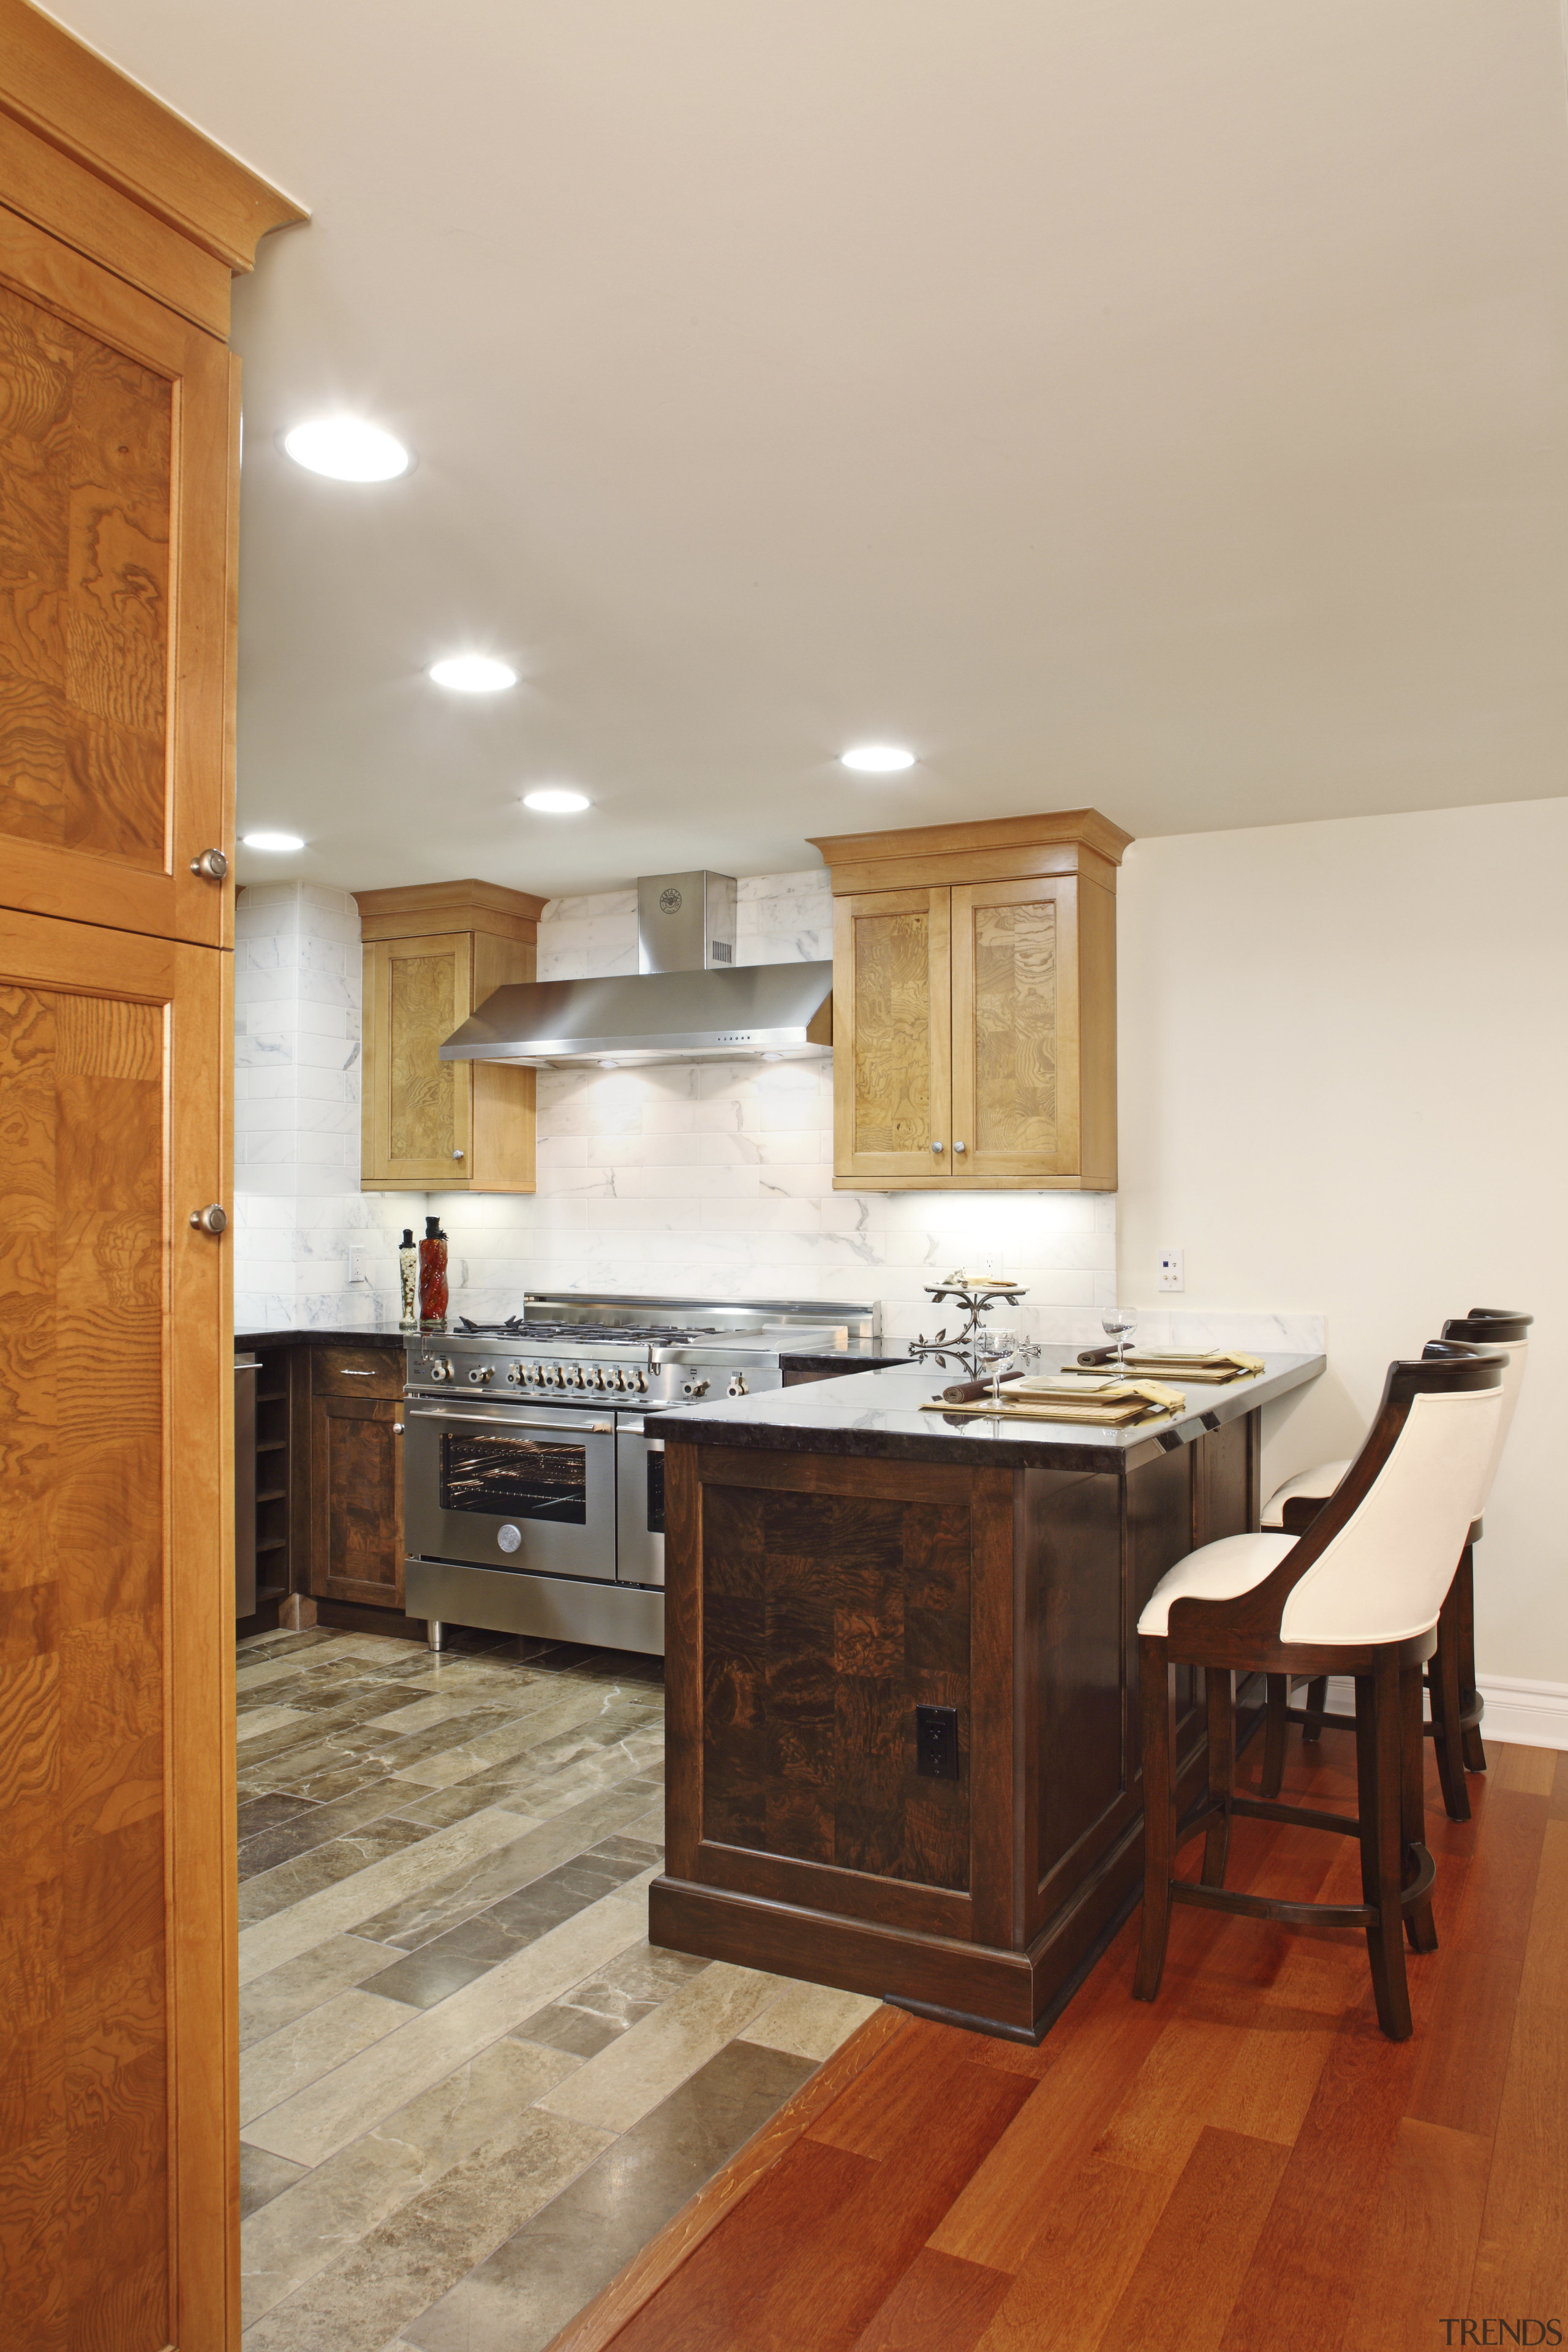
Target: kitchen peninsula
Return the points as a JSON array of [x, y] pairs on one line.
[[901, 1663]]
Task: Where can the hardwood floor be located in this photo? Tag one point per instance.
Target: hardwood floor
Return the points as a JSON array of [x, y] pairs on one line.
[[1247, 2166]]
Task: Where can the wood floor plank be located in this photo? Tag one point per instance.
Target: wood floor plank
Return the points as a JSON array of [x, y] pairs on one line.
[[1420, 2251], [1499, 1886], [997, 2215], [1522, 2261], [759, 2280], [1463, 2060], [938, 2301], [1080, 2262], [1543, 1982], [1187, 2277], [1273, 2078], [1296, 2293]]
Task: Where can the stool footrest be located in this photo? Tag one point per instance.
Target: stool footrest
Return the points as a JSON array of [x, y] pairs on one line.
[[1303, 1914], [1301, 1817]]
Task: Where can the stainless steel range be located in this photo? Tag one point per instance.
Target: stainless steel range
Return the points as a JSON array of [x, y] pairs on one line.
[[534, 1483]]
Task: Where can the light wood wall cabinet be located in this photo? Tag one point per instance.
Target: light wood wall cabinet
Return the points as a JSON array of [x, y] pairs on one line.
[[120, 227], [974, 1005], [432, 954]]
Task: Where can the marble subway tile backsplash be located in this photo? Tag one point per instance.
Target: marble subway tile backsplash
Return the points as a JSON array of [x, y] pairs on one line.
[[715, 1179]]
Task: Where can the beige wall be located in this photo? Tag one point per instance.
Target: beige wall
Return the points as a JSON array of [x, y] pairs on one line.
[[1344, 1088]]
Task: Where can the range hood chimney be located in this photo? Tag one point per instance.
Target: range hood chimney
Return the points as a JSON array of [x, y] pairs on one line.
[[689, 1001]]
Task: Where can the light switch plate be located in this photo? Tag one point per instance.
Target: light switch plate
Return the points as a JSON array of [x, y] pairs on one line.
[[1172, 1274]]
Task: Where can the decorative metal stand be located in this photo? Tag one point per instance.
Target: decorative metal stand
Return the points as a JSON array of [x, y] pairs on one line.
[[976, 1299]]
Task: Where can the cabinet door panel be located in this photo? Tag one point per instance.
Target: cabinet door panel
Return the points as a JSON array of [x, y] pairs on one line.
[[356, 1501], [114, 612], [893, 1012], [1015, 1028], [117, 2062], [416, 1107]]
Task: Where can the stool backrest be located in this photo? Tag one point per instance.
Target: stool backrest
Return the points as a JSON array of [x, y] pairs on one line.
[[1502, 1331], [1381, 1555]]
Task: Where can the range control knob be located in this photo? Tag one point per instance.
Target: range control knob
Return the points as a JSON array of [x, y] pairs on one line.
[[514, 1376], [580, 1376], [694, 1388], [481, 1375], [738, 1385], [440, 1367], [642, 1382]]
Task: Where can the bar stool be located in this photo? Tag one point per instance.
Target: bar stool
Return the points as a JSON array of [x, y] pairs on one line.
[[1359, 1593], [1457, 1705]]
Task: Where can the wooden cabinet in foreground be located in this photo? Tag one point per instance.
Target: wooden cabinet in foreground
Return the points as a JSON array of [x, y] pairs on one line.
[[974, 1005], [432, 954]]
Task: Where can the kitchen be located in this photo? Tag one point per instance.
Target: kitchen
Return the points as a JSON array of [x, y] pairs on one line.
[[1229, 640]]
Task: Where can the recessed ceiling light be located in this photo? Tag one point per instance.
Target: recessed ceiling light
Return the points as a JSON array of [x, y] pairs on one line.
[[473, 674], [347, 449], [281, 842], [556, 800], [878, 759]]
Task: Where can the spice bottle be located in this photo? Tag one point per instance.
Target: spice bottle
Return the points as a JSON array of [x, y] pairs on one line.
[[433, 1277]]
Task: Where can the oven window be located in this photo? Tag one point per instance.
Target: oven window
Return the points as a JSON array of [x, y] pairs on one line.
[[655, 1492], [514, 1479]]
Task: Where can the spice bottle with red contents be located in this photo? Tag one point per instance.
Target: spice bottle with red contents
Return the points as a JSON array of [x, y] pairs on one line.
[[433, 1277]]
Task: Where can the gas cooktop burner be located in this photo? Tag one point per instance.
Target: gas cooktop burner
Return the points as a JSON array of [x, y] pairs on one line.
[[588, 1335]]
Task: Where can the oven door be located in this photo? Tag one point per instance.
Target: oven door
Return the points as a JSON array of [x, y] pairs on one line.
[[510, 1490], [639, 1504]]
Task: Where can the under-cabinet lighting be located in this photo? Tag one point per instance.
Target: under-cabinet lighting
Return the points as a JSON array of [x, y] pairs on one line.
[[279, 843]]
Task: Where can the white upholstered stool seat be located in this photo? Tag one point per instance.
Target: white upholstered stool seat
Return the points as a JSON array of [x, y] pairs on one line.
[[1216, 1571], [1316, 1485]]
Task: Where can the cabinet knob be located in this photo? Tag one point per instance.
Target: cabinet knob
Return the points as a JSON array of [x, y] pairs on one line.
[[456, 1155], [958, 1147], [211, 865], [936, 1147], [211, 1220], [397, 1429]]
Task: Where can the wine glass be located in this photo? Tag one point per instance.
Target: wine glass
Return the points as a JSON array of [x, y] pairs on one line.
[[996, 1349], [1118, 1323]]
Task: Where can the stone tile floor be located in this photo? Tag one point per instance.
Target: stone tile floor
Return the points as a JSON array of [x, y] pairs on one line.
[[471, 2090]]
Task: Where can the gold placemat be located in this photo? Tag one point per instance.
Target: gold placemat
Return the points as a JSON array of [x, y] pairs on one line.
[[1214, 1366], [1111, 1406]]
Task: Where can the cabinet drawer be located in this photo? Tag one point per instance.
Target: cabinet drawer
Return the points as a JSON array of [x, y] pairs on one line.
[[356, 1372]]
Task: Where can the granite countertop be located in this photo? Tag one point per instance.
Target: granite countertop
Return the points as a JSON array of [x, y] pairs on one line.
[[877, 1413], [314, 1338], [857, 1354]]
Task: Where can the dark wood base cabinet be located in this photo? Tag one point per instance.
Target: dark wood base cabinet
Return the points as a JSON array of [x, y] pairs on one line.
[[356, 1476], [814, 1603]]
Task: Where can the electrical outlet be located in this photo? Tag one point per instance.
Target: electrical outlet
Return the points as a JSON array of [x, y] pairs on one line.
[[1171, 1276], [936, 1742], [359, 1271]]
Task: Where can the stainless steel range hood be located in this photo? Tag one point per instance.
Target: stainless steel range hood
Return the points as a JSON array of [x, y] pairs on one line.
[[688, 1002]]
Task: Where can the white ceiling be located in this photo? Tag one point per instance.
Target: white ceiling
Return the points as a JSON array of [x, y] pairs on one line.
[[1162, 407]]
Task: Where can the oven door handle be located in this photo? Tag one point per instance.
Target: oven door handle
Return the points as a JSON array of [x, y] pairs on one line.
[[626, 1427], [556, 1423]]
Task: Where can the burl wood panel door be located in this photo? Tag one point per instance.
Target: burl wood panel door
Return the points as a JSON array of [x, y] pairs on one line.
[[891, 1063], [356, 1501], [417, 1107], [115, 575], [118, 2048], [1015, 1028]]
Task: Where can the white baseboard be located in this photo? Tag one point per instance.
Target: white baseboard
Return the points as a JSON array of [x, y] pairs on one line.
[[1521, 1714]]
